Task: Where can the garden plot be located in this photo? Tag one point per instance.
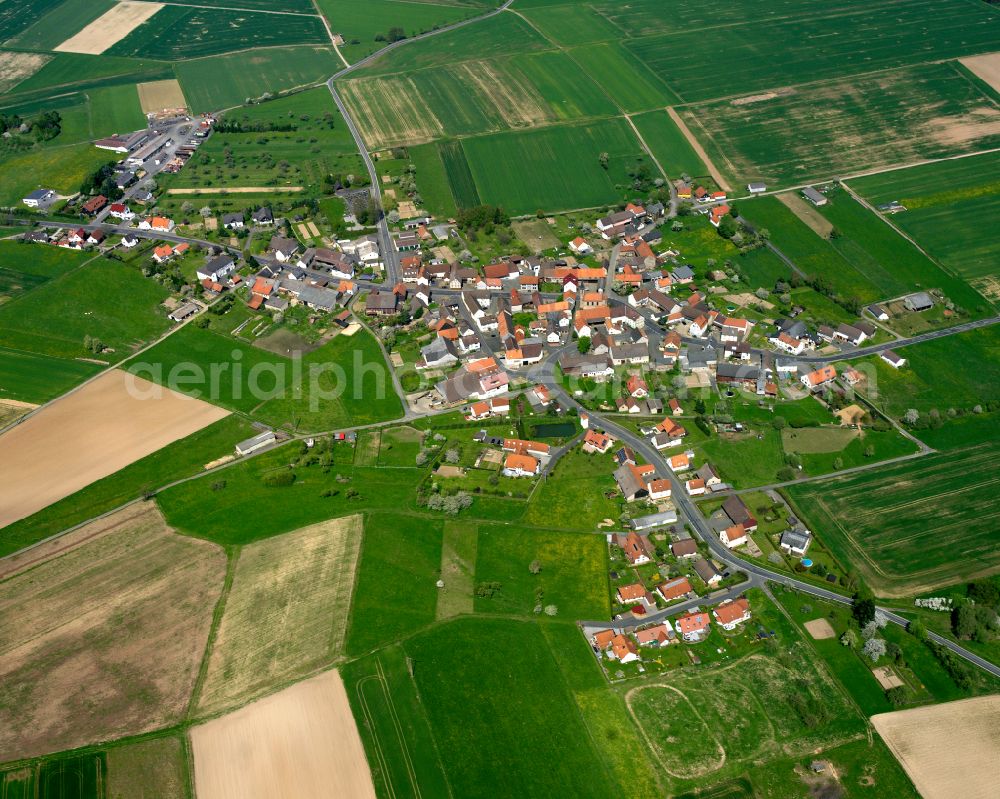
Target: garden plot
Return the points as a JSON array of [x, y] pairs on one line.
[[105, 640], [286, 613], [110, 28], [89, 434], [300, 743], [948, 750]]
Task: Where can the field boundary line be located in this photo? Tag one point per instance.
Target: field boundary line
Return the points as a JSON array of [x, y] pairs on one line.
[[232, 558], [399, 727], [696, 145], [645, 146], [329, 32], [235, 8]]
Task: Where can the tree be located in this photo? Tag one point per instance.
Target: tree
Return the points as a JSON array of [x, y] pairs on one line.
[[838, 464], [964, 621], [898, 696], [551, 610], [849, 638], [864, 608], [917, 629], [535, 567], [779, 422], [912, 416], [452, 456], [786, 474], [869, 451], [874, 649], [602, 159], [583, 344]]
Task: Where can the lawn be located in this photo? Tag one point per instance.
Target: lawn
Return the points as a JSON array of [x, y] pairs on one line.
[[572, 576], [395, 593], [945, 203], [573, 497], [104, 299], [176, 33], [891, 118], [555, 168], [344, 382], [218, 82], [174, 462], [913, 527], [522, 713], [317, 145]]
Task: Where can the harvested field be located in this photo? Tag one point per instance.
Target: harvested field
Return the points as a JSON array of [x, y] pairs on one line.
[[15, 67], [110, 28], [947, 750], [301, 743], [816, 222], [820, 629], [696, 146], [986, 67], [151, 769], [91, 433], [160, 95], [237, 190], [286, 614], [388, 112], [97, 642]]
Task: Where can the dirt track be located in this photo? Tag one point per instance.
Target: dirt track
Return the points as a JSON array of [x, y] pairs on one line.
[[947, 750], [109, 28], [88, 435], [300, 743], [696, 145], [236, 190]]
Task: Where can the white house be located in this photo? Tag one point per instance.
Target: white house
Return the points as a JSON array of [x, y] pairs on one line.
[[39, 197], [734, 536], [731, 614]]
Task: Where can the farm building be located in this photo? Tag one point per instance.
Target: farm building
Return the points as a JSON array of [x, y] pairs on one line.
[[258, 442]]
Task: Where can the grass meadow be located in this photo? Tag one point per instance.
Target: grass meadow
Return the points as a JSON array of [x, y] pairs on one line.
[[911, 527], [263, 387], [889, 118], [62, 168], [225, 81], [27, 377], [573, 497], [104, 299], [946, 204], [176, 33], [176, 461], [434, 180]]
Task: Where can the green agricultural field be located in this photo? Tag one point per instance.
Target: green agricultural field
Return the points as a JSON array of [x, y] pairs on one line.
[[500, 36], [554, 168], [626, 79], [402, 754], [60, 168], [572, 576], [27, 377], [174, 462], [456, 166], [103, 299], [957, 371], [839, 40], [176, 33], [945, 205], [668, 144], [361, 24], [572, 24], [115, 109], [318, 145], [39, 260], [913, 527], [90, 71], [218, 82], [790, 138], [395, 592], [433, 179], [17, 16], [344, 382], [61, 23], [523, 713]]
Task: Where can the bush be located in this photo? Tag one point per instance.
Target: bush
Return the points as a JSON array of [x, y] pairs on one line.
[[279, 479]]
